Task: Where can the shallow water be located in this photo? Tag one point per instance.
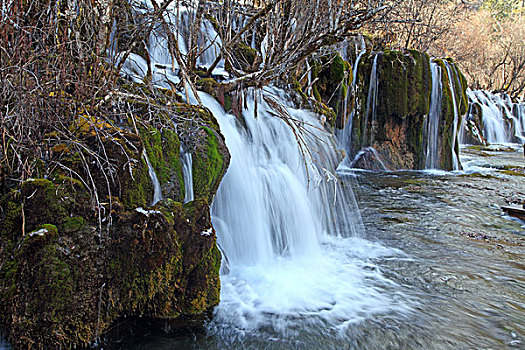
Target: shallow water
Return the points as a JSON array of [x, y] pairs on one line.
[[451, 267]]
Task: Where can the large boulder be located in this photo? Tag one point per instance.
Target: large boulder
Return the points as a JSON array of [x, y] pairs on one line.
[[81, 246], [390, 115]]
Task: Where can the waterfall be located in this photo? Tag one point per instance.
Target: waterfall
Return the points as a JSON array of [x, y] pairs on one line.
[[503, 120], [164, 68], [291, 206], [288, 230], [433, 119], [455, 157], [371, 104], [345, 138], [187, 172], [157, 192]]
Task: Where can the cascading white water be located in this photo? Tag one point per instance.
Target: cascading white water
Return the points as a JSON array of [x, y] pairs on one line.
[[371, 105], [433, 119], [187, 172], [345, 138], [289, 232], [457, 117], [157, 192], [164, 68], [503, 120]]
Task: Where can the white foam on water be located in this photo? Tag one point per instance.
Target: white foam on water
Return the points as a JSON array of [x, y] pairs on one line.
[[290, 237]]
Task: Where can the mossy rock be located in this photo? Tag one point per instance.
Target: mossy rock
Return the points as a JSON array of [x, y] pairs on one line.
[[163, 150], [210, 162], [75, 258], [403, 100], [333, 78], [38, 290], [446, 130], [43, 202], [60, 288], [243, 56]]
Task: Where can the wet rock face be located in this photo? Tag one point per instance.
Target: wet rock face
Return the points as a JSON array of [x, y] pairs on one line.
[[395, 127], [474, 126], [71, 265], [368, 159]]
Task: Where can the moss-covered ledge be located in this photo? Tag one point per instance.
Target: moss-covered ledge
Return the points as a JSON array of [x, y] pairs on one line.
[[74, 257]]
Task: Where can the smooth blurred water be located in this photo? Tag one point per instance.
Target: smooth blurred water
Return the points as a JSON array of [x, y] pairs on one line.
[[290, 233]]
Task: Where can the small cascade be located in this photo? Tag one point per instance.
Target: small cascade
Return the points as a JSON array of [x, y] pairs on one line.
[[187, 171], [164, 68], [503, 120], [455, 157], [433, 119], [371, 106], [157, 192], [345, 138]]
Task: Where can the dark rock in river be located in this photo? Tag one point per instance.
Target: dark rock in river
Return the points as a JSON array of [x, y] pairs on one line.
[[369, 159]]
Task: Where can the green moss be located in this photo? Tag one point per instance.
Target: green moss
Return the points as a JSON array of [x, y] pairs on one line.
[[137, 191], [332, 77], [393, 91], [205, 291], [162, 149], [479, 175], [73, 224], [11, 218], [41, 236], [40, 288], [419, 86], [208, 85], [244, 55], [338, 67], [317, 95], [44, 203], [146, 283], [513, 172], [208, 166], [479, 148]]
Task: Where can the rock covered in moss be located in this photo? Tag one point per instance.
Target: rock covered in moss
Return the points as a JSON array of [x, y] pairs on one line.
[[73, 261], [396, 128], [328, 78], [474, 126]]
